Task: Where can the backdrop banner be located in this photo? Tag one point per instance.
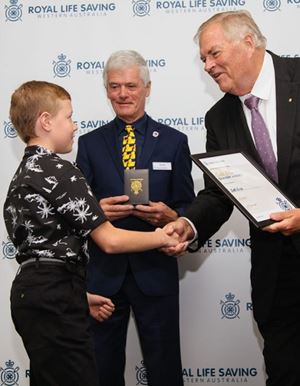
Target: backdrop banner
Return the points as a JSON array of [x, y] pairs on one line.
[[67, 42]]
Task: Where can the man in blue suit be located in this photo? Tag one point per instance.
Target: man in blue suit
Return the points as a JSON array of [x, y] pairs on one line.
[[145, 283]]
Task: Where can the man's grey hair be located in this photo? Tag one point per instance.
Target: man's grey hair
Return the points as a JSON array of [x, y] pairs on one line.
[[236, 25], [123, 59]]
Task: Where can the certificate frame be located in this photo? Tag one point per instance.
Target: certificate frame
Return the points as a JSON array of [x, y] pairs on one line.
[[244, 182]]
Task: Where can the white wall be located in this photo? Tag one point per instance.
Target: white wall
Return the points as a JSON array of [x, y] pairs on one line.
[[215, 347]]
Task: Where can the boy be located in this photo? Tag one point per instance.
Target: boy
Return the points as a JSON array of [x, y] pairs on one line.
[[49, 212]]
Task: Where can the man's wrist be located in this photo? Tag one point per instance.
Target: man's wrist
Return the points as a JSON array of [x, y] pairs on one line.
[[194, 236]]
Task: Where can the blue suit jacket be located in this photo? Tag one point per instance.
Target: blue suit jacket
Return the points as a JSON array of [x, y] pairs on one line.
[[99, 158]]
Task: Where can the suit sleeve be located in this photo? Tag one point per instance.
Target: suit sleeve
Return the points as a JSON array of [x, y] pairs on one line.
[[83, 162], [182, 182], [211, 208]]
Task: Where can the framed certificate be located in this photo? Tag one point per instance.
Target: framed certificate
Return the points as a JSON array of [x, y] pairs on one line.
[[245, 183]]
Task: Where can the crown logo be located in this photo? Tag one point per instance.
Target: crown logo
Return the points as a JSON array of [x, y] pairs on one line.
[[62, 67], [229, 297], [14, 11], [62, 57], [9, 364], [230, 308]]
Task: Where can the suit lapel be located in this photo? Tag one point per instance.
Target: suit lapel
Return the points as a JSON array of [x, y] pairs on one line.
[[246, 137], [286, 96], [151, 139], [111, 139], [240, 137]]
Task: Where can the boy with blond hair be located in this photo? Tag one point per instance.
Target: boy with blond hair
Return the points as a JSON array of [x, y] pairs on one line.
[[49, 212]]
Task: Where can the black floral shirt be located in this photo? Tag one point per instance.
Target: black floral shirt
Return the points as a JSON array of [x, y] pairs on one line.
[[50, 210]]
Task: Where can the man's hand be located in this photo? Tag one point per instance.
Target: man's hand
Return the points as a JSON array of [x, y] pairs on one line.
[[287, 222], [168, 241], [114, 207], [101, 308], [156, 213], [184, 232]]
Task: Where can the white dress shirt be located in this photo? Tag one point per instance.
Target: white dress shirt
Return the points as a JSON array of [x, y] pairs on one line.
[[264, 88]]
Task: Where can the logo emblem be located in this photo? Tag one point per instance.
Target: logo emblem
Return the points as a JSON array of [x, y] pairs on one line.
[[141, 374], [272, 5], [141, 7], [61, 68], [14, 11], [230, 308], [9, 375], [136, 185], [9, 130], [8, 249], [283, 204]]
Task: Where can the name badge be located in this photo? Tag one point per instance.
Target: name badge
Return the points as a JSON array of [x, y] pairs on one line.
[[162, 165]]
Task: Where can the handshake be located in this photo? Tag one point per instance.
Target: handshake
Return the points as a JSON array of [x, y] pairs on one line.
[[173, 239], [179, 234]]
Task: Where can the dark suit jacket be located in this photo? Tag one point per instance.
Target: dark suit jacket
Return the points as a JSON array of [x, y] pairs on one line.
[[99, 158], [227, 130]]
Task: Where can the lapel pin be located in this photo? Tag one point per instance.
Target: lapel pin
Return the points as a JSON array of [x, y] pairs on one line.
[[155, 134], [290, 99]]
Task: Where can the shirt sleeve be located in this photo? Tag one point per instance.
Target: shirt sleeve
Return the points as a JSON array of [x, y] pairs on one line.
[[72, 197]]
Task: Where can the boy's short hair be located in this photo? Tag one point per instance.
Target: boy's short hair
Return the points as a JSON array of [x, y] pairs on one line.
[[30, 100]]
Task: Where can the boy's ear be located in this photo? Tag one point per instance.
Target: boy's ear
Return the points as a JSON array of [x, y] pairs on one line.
[[45, 120]]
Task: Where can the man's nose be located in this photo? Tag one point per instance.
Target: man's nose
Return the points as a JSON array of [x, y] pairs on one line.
[[123, 92], [209, 64]]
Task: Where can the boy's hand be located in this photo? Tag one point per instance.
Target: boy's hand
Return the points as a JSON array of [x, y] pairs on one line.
[[101, 308]]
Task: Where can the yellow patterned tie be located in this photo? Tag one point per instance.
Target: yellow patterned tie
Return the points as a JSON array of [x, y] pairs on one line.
[[129, 148]]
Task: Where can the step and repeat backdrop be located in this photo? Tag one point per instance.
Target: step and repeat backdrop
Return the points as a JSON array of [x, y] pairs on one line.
[[68, 42]]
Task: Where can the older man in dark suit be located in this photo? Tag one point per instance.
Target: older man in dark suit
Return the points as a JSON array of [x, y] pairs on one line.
[[232, 49], [145, 283]]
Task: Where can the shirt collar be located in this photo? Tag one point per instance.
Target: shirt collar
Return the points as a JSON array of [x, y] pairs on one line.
[[139, 125], [37, 149], [263, 85]]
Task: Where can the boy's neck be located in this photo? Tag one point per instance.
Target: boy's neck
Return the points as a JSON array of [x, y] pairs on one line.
[[36, 141]]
